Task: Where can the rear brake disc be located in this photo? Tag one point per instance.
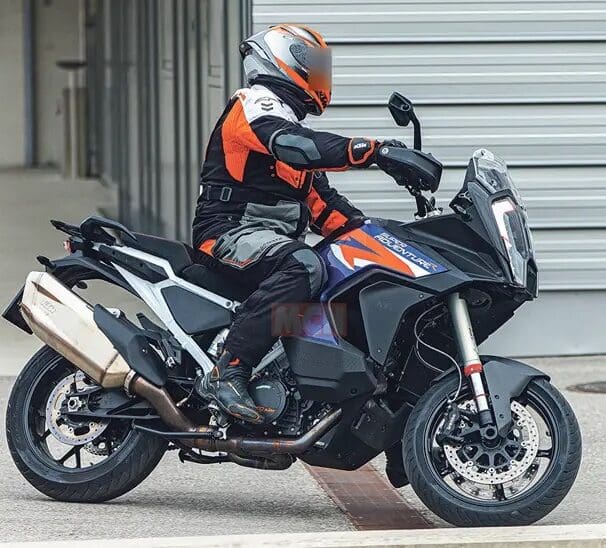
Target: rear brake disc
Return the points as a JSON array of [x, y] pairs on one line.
[[62, 428]]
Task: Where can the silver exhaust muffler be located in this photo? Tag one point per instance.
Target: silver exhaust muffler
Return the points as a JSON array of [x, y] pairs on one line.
[[64, 321]]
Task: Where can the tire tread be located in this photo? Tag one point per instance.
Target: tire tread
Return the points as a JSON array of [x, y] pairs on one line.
[[144, 456]]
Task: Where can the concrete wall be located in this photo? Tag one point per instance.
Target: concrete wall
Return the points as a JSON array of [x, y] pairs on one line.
[[57, 38], [11, 83]]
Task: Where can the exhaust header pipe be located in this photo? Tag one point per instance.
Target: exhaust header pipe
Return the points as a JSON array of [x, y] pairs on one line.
[[64, 321], [238, 445], [262, 447]]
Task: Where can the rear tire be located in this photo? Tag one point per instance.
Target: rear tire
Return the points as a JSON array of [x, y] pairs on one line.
[[540, 499], [122, 470]]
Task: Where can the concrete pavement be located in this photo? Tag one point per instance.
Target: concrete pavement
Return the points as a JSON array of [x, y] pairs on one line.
[[555, 536], [182, 500]]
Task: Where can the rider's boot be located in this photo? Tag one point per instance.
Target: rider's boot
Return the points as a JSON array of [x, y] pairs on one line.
[[227, 386]]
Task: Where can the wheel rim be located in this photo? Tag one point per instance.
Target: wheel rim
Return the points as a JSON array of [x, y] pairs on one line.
[[59, 442], [494, 482]]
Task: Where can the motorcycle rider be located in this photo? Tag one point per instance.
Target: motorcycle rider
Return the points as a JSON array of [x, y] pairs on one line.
[[263, 183]]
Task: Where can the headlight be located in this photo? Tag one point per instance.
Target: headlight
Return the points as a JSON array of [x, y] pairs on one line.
[[513, 233]]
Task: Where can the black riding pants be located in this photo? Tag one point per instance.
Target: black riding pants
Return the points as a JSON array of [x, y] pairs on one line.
[[285, 272]]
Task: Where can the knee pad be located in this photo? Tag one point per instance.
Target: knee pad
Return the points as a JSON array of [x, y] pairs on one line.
[[314, 266]]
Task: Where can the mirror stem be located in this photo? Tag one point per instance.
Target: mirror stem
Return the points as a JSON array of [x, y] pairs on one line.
[[417, 130]]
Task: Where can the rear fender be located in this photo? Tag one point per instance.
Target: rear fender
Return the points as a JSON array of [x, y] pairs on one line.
[[79, 267], [68, 270], [506, 379]]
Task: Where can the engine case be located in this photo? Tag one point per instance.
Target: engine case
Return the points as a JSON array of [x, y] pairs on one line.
[[329, 372]]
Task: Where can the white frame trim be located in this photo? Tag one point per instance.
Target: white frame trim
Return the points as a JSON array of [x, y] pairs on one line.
[[165, 265], [151, 294]]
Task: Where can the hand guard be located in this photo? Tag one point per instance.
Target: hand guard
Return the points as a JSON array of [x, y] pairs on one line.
[[415, 170], [385, 163]]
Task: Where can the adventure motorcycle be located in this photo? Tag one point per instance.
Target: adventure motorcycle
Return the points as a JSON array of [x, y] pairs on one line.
[[385, 361]]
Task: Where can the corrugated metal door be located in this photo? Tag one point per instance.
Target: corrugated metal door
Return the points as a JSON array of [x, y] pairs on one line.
[[526, 79]]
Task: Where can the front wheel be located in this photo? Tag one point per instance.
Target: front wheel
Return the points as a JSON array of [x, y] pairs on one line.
[[516, 480], [85, 461]]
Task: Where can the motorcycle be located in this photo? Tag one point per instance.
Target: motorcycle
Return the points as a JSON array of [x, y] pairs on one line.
[[385, 361]]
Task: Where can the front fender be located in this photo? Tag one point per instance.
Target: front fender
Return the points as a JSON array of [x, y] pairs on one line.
[[506, 379]]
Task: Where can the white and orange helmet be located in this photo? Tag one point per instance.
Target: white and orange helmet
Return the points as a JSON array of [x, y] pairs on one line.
[[294, 56]]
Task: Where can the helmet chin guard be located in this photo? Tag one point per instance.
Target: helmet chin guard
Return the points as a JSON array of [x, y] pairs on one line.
[[295, 55]]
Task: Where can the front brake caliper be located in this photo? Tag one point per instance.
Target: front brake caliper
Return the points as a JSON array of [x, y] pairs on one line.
[[451, 420]]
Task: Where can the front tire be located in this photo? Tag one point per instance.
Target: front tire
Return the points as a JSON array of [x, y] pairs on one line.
[[131, 455], [423, 461]]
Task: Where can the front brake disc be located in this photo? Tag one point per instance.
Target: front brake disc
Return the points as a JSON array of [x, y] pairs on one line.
[[492, 466]]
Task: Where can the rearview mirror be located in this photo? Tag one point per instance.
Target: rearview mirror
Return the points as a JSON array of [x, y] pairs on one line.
[[401, 109], [403, 113]]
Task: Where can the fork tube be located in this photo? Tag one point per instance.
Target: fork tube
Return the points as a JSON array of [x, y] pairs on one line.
[[468, 350]]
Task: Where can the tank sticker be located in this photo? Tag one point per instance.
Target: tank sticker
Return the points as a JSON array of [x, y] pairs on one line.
[[373, 245], [409, 253]]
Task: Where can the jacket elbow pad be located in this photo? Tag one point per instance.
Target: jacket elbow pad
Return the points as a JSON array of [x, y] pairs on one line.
[[295, 150]]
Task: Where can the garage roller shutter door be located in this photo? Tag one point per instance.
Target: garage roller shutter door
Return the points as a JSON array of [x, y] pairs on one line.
[[526, 79]]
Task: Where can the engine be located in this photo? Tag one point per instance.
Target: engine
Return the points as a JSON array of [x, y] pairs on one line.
[[275, 392]]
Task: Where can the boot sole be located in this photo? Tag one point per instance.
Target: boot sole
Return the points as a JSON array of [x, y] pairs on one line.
[[211, 397]]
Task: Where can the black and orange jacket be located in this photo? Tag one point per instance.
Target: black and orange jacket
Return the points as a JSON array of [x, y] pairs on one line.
[[239, 156]]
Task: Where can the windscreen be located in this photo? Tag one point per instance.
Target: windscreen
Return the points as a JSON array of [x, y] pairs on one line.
[[491, 171], [504, 216]]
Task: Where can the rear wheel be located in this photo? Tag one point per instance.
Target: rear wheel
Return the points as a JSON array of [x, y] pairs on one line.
[[88, 461], [512, 481]]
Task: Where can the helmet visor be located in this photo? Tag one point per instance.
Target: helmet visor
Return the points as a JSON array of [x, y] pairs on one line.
[[319, 66], [316, 62]]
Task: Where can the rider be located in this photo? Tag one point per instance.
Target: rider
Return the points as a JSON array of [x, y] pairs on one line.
[[263, 183]]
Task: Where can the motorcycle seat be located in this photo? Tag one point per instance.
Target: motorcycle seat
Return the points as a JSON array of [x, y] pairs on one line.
[[178, 254], [209, 278], [190, 265]]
